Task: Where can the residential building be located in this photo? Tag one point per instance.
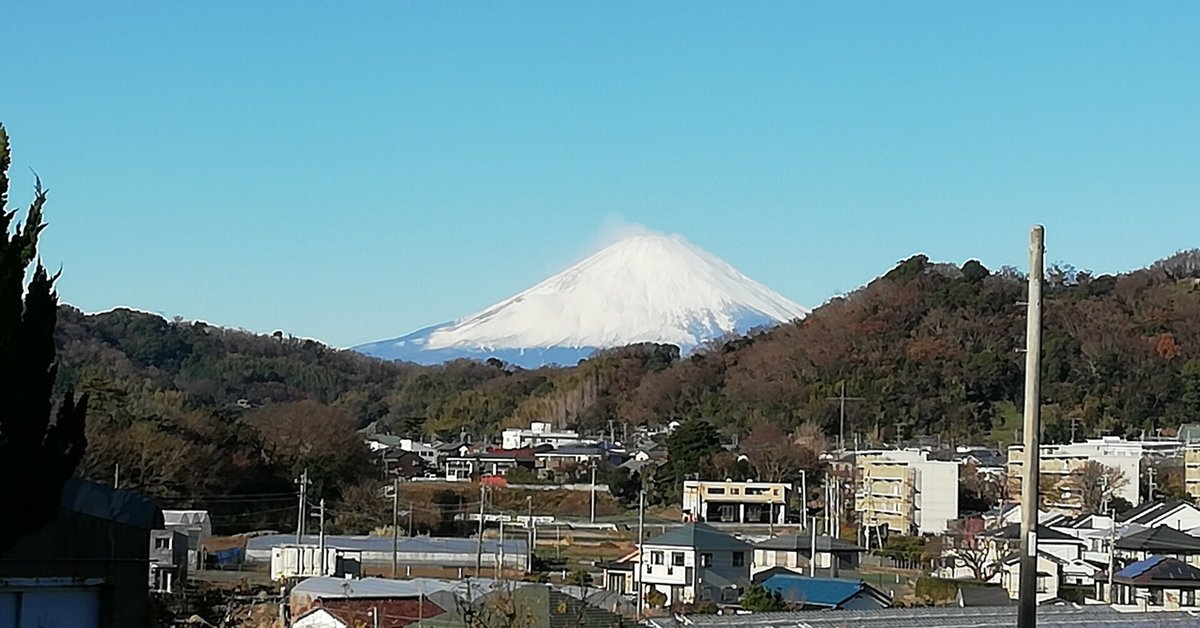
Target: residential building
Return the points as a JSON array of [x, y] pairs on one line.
[[168, 560], [695, 562], [736, 502], [1160, 541], [1179, 515], [1049, 575], [1191, 467], [88, 567], [1062, 463], [805, 593], [1156, 583], [619, 574], [539, 433], [795, 552], [431, 454], [904, 491], [462, 468], [567, 458], [405, 464]]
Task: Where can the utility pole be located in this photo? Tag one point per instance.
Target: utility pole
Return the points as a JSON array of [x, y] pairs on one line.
[[321, 541], [1112, 551], [593, 515], [117, 476], [641, 538], [303, 482], [396, 525], [500, 548], [842, 399], [1150, 470], [1027, 598], [479, 542], [532, 535], [812, 551]]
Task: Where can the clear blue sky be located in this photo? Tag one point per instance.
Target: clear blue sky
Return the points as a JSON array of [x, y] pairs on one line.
[[353, 171]]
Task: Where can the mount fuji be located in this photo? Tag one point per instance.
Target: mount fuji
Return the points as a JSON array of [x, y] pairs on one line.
[[645, 288]]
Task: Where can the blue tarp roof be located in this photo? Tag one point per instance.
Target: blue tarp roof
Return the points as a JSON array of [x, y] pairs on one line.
[[816, 591]]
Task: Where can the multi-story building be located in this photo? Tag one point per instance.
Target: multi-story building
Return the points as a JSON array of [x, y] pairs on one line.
[[1060, 464], [695, 562], [538, 434], [736, 502], [1191, 470], [905, 491]]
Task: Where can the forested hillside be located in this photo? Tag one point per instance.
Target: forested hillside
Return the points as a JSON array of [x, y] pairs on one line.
[[192, 411]]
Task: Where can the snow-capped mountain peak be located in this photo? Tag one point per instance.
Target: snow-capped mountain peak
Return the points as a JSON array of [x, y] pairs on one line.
[[644, 288]]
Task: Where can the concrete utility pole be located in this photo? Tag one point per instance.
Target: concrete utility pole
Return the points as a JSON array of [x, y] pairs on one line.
[[117, 476], [500, 559], [592, 519], [479, 542], [1027, 598], [532, 535], [641, 538], [303, 482], [1112, 552], [396, 525], [812, 551], [321, 540]]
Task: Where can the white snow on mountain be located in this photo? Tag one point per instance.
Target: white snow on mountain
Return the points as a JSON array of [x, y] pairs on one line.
[[645, 288]]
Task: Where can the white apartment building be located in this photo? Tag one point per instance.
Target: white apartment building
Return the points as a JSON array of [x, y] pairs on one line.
[[1060, 462], [736, 502], [538, 434], [905, 490]]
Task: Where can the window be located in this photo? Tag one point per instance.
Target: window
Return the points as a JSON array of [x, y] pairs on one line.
[[739, 559], [162, 543], [716, 491], [656, 558], [1187, 597], [706, 560], [677, 559]]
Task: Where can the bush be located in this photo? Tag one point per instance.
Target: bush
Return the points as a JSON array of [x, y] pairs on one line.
[[935, 591]]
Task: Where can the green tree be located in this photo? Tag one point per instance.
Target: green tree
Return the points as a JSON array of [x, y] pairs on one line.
[[36, 455], [1191, 387], [760, 599], [690, 449]]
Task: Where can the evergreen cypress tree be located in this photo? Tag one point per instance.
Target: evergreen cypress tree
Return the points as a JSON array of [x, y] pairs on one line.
[[36, 455]]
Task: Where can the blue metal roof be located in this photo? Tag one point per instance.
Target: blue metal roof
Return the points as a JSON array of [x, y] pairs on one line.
[[829, 592], [1140, 567]]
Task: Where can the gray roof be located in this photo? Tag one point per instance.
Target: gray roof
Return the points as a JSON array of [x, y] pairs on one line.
[[700, 536], [111, 504], [803, 542], [406, 545], [986, 617], [1160, 539], [984, 596], [330, 587]]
